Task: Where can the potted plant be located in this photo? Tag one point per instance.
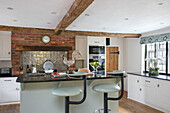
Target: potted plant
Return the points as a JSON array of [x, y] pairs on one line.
[[95, 65], [153, 69]]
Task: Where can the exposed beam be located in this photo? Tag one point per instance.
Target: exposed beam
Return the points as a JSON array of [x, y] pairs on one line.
[[30, 30], [78, 7], [101, 34], [43, 48]]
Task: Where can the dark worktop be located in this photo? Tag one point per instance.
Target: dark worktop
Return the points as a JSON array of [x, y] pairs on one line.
[[162, 77], [49, 78]]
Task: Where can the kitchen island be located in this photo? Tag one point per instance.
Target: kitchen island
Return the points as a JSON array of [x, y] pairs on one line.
[[36, 96]]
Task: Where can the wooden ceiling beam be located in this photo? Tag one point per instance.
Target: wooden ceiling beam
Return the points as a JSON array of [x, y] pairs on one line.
[[78, 7], [101, 34]]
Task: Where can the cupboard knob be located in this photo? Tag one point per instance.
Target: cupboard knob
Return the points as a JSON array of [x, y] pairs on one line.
[[137, 81], [9, 53], [140, 89], [158, 85]]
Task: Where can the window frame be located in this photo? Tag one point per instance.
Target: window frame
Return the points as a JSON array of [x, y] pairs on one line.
[[166, 66]]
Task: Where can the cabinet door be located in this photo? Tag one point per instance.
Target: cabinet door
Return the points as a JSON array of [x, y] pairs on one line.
[[134, 87], [148, 94], [18, 91], [163, 94], [6, 47], [8, 90], [8, 93], [97, 41]]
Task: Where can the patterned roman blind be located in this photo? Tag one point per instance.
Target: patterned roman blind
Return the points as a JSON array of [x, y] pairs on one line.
[[155, 38]]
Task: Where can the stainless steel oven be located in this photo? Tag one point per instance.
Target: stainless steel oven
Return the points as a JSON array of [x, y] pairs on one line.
[[96, 49]]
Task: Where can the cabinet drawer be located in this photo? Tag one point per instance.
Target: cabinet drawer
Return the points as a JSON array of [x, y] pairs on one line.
[[8, 81], [149, 81]]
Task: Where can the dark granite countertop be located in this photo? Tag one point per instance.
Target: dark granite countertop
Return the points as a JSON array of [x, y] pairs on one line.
[[162, 77], [6, 75], [49, 78]]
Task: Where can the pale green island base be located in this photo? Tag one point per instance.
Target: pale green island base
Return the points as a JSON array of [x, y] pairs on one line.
[[37, 97]]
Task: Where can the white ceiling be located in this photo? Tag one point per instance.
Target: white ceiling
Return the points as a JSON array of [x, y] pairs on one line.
[[33, 13], [109, 16], [104, 15]]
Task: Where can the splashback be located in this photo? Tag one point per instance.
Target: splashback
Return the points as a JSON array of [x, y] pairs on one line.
[[39, 57]]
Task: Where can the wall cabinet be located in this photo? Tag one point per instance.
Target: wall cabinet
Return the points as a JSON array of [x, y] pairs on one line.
[[5, 46], [150, 91], [9, 90], [97, 41]]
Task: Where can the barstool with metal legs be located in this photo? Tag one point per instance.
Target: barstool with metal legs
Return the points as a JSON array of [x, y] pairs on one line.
[[109, 88], [70, 91]]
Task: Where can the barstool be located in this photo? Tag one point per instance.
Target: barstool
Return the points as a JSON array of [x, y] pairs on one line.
[[70, 91], [109, 88]]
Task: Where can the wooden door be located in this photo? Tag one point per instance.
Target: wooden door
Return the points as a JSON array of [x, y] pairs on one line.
[[112, 58]]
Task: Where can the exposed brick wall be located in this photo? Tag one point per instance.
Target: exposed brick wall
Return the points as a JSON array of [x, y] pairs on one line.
[[35, 39]]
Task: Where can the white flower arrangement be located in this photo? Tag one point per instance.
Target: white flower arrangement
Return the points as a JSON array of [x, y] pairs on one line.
[[153, 69]]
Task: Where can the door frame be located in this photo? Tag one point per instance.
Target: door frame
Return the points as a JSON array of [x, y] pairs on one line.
[[119, 53]]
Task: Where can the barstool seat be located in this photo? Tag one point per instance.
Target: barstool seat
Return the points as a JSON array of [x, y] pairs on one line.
[[66, 91], [106, 88]]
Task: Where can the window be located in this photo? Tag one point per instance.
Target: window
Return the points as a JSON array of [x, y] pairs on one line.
[[157, 50]]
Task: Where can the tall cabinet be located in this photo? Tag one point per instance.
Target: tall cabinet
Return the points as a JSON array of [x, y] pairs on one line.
[[5, 45]]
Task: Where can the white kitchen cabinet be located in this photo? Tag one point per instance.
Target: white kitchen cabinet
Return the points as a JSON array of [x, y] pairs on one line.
[[163, 94], [5, 45], [150, 91], [133, 87], [9, 90], [97, 41]]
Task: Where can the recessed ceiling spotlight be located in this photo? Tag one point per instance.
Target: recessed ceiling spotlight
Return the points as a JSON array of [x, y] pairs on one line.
[[74, 25], [10, 8], [160, 3], [15, 20], [87, 15], [135, 30], [126, 18], [53, 13], [103, 28], [48, 23], [161, 23]]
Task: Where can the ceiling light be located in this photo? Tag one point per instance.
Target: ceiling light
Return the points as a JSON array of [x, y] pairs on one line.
[[74, 25], [10, 8], [103, 28], [48, 23], [161, 23], [87, 15], [126, 18], [53, 13], [15, 20], [160, 3]]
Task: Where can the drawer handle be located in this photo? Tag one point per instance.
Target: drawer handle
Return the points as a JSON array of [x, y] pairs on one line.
[[147, 81], [7, 80]]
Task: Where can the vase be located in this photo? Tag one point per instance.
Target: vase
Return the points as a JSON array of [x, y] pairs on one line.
[[95, 71]]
